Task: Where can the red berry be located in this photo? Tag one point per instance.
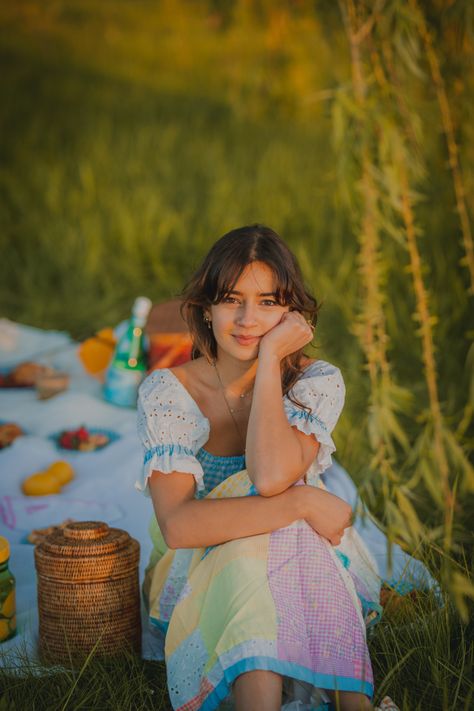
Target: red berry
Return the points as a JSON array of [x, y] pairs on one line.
[[82, 434]]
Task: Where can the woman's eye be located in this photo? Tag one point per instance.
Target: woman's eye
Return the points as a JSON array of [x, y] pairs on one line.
[[269, 302], [229, 300]]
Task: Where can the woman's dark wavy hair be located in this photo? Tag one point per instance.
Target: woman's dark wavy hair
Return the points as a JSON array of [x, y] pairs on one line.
[[218, 274]]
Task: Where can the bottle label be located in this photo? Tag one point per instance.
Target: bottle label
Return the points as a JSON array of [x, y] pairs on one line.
[[121, 386]]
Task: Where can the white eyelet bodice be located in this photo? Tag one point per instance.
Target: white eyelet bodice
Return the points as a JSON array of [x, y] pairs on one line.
[[173, 430]]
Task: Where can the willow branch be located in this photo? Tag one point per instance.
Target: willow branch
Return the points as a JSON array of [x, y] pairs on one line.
[[426, 332], [423, 314], [448, 128], [374, 334]]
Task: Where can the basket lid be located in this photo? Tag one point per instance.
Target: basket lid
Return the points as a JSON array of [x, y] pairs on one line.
[[83, 539]]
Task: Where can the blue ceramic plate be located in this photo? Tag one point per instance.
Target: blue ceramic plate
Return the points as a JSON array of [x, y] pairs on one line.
[[112, 437]]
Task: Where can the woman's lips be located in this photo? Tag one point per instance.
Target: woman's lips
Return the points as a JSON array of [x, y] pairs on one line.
[[247, 340]]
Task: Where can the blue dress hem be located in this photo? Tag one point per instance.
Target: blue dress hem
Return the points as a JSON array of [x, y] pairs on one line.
[[289, 669]]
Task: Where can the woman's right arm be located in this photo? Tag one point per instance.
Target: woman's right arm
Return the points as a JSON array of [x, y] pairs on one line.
[[186, 522]]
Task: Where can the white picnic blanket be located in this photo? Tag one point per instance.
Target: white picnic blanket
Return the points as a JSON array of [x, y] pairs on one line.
[[103, 488]]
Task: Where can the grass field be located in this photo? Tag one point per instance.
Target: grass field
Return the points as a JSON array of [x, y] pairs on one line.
[[135, 134]]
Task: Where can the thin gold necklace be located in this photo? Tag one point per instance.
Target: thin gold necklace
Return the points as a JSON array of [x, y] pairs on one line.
[[231, 410], [241, 396]]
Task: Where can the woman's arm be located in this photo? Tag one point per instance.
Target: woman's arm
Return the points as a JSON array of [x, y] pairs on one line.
[[186, 522], [277, 454]]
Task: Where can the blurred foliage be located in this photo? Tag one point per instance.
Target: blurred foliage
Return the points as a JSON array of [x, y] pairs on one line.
[[135, 134], [129, 133]]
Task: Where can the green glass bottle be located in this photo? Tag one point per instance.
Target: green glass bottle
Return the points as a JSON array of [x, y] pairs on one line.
[[7, 594], [129, 363]]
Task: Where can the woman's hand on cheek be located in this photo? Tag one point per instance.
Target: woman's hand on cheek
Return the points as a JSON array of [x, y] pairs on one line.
[[289, 335]]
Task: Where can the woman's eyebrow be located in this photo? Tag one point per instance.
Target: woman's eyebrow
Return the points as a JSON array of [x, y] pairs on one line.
[[262, 293]]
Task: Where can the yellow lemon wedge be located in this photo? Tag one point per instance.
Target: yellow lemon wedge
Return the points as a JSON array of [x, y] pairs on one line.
[[63, 471], [41, 484]]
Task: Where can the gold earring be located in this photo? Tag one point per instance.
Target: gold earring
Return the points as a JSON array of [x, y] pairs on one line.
[[207, 321]]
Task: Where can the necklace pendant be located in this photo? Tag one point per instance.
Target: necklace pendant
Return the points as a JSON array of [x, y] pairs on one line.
[[243, 395]]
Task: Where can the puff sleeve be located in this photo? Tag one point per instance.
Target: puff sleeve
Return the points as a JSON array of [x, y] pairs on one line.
[[171, 429], [321, 388]]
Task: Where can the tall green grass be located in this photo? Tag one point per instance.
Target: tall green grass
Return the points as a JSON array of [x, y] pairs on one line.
[[422, 655], [123, 683], [112, 190]]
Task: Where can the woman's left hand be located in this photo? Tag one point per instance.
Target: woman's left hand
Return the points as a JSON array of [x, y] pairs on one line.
[[289, 335]]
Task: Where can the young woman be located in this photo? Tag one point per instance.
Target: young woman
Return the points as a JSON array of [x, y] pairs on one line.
[[255, 575]]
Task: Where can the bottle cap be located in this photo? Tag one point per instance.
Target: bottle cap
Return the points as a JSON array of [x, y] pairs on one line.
[[141, 307], [4, 549]]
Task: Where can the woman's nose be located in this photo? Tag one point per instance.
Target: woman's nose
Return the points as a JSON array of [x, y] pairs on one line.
[[246, 314]]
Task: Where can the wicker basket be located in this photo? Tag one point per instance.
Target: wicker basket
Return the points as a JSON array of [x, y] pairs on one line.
[[88, 592]]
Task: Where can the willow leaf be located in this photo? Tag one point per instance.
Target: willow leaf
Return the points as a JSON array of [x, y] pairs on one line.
[[408, 59], [393, 428], [408, 510], [431, 481], [459, 458], [461, 587]]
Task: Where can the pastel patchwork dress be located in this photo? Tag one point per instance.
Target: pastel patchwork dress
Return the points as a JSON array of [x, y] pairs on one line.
[[287, 601]]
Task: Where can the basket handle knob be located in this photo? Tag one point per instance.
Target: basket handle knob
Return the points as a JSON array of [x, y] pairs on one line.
[[86, 530]]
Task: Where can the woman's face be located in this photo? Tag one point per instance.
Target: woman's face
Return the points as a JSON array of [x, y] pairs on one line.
[[246, 313]]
